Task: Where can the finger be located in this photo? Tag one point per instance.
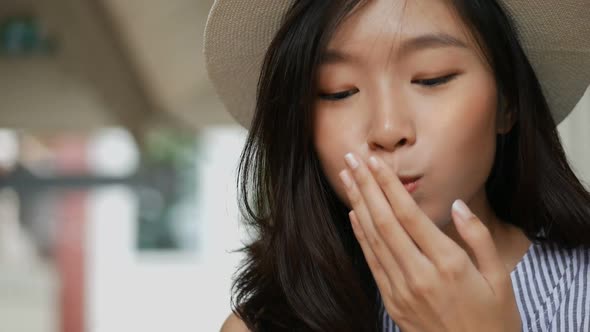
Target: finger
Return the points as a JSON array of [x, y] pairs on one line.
[[372, 240], [398, 242], [479, 239], [427, 236], [377, 270]]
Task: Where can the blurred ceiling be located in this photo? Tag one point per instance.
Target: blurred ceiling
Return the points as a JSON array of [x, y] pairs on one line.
[[132, 63]]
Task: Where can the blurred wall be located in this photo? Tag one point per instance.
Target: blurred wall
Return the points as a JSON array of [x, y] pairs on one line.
[[575, 134]]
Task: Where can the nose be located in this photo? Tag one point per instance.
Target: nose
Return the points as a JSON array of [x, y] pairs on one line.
[[392, 125]]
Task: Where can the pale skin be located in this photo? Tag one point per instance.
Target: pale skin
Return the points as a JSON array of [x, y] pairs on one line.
[[434, 272]]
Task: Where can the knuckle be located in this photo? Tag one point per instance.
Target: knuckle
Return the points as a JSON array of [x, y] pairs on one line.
[[403, 300], [454, 265], [375, 244], [386, 180], [360, 235], [355, 197], [362, 177], [420, 286], [397, 314], [382, 225], [404, 214], [374, 264]]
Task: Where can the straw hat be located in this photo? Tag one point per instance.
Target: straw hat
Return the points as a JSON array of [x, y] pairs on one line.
[[555, 35]]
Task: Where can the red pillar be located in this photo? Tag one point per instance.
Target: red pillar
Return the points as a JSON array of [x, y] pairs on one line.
[[70, 235]]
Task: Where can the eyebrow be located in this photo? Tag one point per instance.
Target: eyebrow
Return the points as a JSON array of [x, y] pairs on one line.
[[408, 46]]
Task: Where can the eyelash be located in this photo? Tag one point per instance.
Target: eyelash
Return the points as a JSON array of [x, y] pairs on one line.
[[339, 95], [436, 81], [428, 83]]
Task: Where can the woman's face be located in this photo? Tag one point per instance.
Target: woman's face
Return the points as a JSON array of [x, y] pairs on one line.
[[412, 88]]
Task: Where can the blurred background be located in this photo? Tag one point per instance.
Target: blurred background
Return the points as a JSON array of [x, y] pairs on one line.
[[117, 168]]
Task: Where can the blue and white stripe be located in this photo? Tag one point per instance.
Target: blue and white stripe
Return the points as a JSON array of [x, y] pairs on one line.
[[552, 289]]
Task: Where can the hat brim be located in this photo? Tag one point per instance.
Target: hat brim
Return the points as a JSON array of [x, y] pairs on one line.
[[556, 41]]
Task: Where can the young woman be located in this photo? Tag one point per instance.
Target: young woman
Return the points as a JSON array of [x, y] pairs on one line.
[[402, 169]]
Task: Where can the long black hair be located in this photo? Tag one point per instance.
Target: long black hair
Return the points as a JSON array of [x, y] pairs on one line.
[[304, 270]]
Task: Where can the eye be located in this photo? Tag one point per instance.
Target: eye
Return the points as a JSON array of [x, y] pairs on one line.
[[433, 82], [339, 95]]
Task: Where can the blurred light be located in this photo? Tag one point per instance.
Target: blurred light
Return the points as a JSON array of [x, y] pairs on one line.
[[8, 149], [37, 156], [113, 152]]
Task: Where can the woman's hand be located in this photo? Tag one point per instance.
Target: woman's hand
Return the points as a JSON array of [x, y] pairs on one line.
[[426, 280]]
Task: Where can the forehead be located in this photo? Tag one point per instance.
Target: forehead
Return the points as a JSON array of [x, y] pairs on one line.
[[391, 22]]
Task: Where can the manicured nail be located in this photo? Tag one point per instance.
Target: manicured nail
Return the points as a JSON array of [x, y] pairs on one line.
[[346, 178], [462, 210], [351, 161], [374, 163]]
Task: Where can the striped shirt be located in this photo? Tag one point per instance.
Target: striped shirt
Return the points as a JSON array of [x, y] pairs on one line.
[[552, 289]]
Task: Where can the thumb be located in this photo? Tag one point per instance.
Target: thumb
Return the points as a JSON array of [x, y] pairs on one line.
[[478, 238]]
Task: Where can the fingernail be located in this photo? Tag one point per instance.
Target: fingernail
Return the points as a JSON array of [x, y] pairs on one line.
[[462, 210], [351, 161], [374, 163], [346, 178]]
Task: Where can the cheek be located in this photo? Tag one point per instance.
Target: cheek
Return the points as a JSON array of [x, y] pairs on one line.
[[332, 143], [474, 137], [463, 151]]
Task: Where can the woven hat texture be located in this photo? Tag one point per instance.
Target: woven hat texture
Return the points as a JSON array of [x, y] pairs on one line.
[[554, 33]]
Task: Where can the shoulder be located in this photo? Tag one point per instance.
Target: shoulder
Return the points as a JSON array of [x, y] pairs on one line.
[[234, 324], [581, 262], [552, 288], [580, 265], [574, 310]]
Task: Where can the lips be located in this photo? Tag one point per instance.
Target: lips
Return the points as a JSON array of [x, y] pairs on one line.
[[410, 182], [408, 179]]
